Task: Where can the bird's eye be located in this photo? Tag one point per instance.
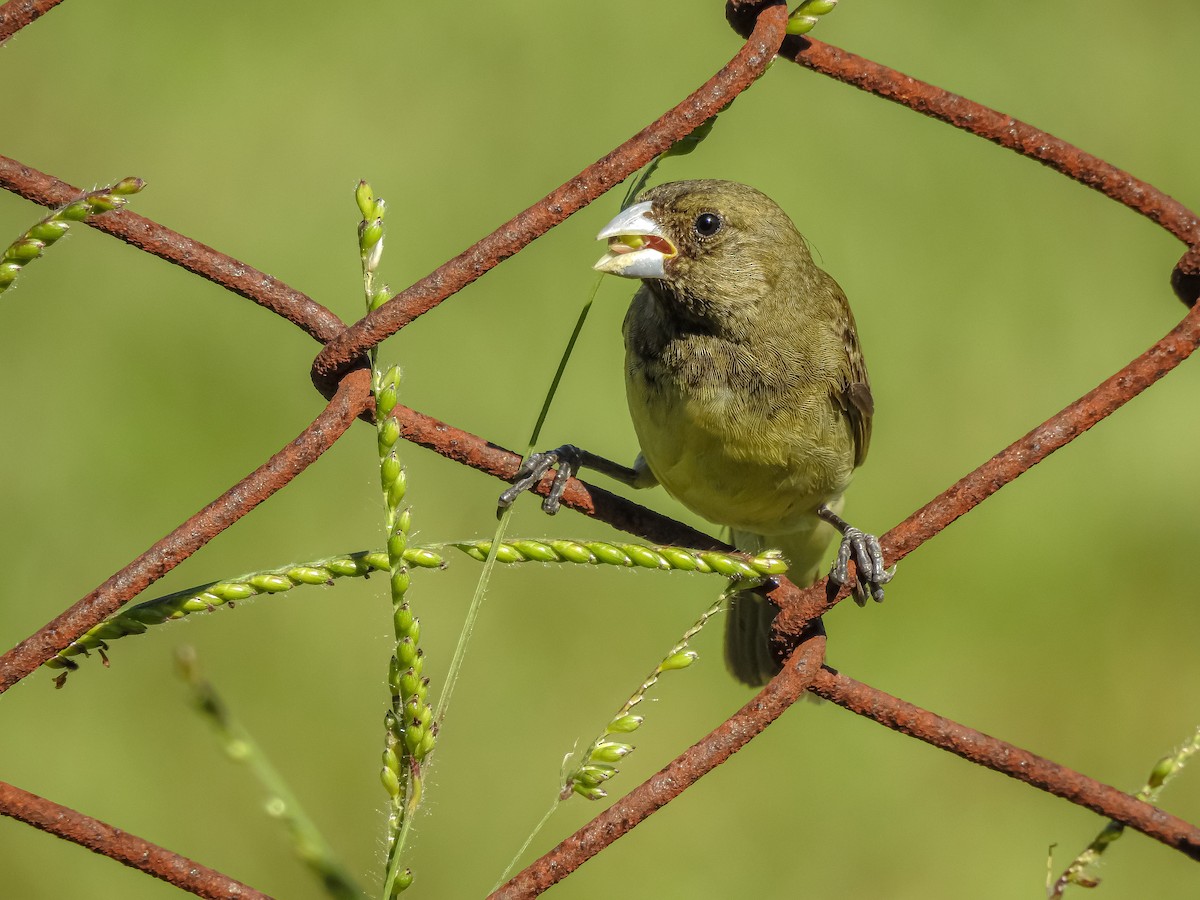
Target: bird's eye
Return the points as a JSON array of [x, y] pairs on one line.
[[707, 224]]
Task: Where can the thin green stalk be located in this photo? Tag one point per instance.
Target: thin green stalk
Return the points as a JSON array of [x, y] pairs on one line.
[[682, 147], [229, 592], [476, 604], [512, 864], [33, 243], [536, 434], [738, 566], [410, 730], [596, 764], [473, 610], [1077, 872], [307, 840], [226, 593]]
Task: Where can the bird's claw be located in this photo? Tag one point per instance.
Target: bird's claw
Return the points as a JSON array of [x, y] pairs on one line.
[[568, 458], [870, 572]]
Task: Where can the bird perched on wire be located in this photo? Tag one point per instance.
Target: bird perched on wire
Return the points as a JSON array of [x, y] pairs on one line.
[[747, 389]]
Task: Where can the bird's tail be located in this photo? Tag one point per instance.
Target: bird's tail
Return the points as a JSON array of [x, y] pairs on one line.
[[748, 653]]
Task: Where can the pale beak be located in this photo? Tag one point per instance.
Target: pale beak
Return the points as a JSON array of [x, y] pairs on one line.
[[637, 246]]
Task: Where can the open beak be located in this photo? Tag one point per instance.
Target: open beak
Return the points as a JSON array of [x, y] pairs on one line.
[[637, 247]]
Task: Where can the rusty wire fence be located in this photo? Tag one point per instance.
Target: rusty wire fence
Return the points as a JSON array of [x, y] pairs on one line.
[[338, 373]]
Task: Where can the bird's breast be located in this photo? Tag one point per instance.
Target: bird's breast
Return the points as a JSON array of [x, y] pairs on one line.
[[753, 449]]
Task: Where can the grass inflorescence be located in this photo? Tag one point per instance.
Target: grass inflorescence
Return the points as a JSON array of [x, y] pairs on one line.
[[33, 243]]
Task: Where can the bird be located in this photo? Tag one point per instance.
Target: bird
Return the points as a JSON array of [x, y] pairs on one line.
[[747, 390]]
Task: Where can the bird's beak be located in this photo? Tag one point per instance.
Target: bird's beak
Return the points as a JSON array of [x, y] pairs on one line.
[[637, 246]]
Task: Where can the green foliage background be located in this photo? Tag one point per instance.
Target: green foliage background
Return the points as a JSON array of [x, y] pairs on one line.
[[989, 291]]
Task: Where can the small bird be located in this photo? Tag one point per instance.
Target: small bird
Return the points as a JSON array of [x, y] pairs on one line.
[[746, 386]]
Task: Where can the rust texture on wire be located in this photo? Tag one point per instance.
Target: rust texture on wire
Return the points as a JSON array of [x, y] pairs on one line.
[[762, 22], [193, 534], [133, 851], [16, 14], [998, 128], [985, 750], [1003, 468], [990, 124], [200, 259], [729, 737], [471, 450], [517, 233]]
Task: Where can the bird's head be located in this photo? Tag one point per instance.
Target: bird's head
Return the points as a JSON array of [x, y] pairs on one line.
[[717, 249]]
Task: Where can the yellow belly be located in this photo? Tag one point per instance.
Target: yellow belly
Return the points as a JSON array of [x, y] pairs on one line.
[[765, 472]]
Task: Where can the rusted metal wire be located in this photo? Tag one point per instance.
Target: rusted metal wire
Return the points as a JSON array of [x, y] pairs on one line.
[[16, 14], [998, 128], [678, 775], [166, 554], [120, 845], [763, 23], [1002, 129], [751, 61], [990, 124], [1016, 459], [200, 259], [492, 459], [1002, 757]]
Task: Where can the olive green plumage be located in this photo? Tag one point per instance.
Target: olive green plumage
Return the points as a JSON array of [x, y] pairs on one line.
[[746, 385]]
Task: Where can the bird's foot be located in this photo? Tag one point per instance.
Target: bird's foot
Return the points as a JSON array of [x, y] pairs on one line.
[[568, 458], [870, 572]]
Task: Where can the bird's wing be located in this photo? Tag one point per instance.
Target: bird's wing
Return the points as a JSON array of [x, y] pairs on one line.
[[854, 394]]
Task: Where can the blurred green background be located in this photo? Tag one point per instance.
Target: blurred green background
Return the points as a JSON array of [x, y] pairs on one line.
[[990, 292]]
